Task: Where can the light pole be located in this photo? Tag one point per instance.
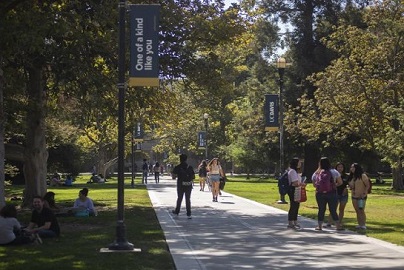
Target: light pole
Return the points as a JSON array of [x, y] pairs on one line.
[[281, 64], [133, 158], [205, 118], [120, 242]]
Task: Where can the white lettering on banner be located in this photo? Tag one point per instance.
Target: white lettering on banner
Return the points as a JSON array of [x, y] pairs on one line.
[[271, 112], [149, 50], [139, 27], [139, 44]]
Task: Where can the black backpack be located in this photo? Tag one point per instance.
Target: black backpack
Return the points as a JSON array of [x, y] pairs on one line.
[[283, 183], [185, 177]]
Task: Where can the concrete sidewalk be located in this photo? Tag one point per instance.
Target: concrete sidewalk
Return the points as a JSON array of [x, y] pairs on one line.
[[236, 233]]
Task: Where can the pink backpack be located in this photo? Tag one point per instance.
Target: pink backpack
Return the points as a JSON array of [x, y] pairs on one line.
[[324, 182]]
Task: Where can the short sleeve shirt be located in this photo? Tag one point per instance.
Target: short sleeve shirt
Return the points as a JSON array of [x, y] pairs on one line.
[[293, 176], [46, 215]]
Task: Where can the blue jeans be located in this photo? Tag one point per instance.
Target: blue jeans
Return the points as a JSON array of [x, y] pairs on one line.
[[46, 233], [323, 199], [144, 179]]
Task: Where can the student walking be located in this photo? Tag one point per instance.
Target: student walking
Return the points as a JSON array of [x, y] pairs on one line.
[[185, 175], [145, 171], [202, 172], [156, 170], [215, 172]]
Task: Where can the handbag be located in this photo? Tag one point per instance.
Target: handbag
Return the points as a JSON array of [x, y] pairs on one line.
[[300, 194]]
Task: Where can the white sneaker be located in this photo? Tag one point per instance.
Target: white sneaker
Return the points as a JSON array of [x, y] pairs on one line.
[[189, 217]]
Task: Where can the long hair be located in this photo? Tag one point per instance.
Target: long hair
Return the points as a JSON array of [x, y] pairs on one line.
[[358, 172]]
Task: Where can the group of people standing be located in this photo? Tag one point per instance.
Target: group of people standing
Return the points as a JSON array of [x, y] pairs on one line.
[[332, 188]]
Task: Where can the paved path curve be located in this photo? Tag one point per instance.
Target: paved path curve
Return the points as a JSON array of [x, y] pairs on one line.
[[236, 233]]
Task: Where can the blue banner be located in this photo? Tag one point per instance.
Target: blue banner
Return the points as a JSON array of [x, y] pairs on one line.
[[271, 111], [138, 133], [144, 32], [201, 139]]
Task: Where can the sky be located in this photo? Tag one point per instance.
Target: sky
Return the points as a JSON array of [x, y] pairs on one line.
[[228, 2]]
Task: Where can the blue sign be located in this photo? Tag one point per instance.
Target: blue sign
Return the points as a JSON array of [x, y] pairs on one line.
[[138, 133], [201, 139], [144, 58], [271, 111]]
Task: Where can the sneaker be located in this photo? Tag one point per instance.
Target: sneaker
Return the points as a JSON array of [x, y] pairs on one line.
[[189, 217], [362, 227], [291, 226], [328, 225], [174, 213]]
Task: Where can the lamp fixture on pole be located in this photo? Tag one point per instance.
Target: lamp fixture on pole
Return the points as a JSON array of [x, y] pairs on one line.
[[205, 117], [281, 65]]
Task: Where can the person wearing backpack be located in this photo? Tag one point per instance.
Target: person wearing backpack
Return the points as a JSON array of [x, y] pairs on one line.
[[359, 184], [202, 172], [294, 181], [325, 180], [185, 175]]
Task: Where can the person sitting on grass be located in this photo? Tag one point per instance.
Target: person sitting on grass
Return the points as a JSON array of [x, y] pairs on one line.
[[10, 228], [43, 221], [55, 180], [84, 203], [69, 181]]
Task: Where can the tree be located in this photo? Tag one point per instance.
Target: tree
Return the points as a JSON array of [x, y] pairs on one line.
[[49, 58], [360, 93]]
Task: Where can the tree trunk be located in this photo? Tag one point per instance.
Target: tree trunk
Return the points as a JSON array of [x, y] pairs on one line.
[[311, 158], [2, 151], [36, 154], [398, 177]]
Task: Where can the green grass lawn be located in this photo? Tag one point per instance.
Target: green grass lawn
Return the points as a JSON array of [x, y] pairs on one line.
[[384, 207], [82, 238]]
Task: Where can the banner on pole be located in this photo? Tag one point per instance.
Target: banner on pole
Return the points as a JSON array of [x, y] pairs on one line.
[[144, 32], [201, 139], [271, 111], [138, 148], [138, 133]]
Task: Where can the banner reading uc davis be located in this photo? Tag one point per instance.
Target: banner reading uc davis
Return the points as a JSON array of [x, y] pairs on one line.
[[144, 32], [271, 111]]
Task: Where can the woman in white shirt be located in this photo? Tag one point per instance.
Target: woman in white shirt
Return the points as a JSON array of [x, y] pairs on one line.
[[10, 228], [84, 203], [294, 181]]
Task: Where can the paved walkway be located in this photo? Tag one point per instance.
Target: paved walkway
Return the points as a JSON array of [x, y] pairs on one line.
[[236, 233]]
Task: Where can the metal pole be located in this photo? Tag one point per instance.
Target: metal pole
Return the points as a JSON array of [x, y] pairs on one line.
[[133, 160], [281, 129], [121, 243], [206, 138]]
